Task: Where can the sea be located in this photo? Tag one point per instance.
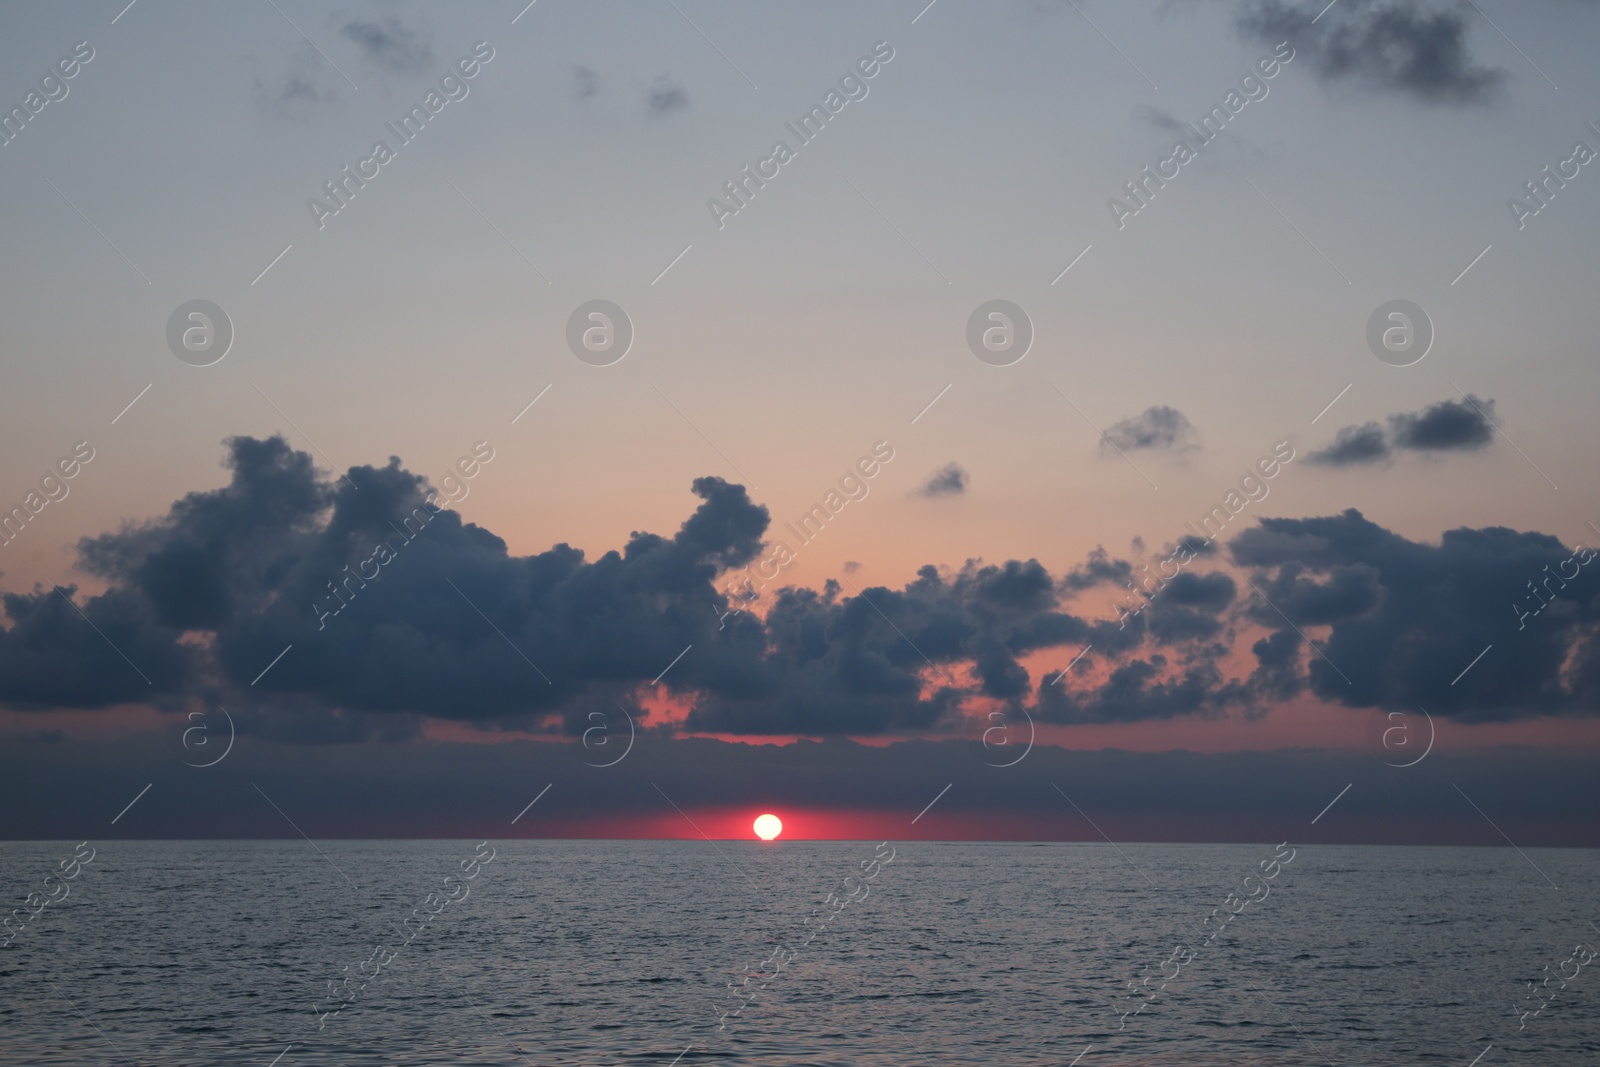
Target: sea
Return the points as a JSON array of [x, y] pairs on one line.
[[295, 953]]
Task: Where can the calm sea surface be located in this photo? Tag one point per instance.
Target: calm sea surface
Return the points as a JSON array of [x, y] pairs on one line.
[[177, 953]]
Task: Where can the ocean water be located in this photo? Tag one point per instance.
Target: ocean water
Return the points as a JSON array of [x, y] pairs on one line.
[[636, 952]]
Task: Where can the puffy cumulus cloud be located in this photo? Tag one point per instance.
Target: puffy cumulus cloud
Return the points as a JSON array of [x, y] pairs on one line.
[[52, 656], [1405, 618], [445, 628], [1463, 425], [895, 653], [1354, 445], [1098, 567], [872, 652], [1449, 425], [399, 612], [1416, 49], [1154, 427], [389, 45], [1143, 688], [1209, 592], [949, 480], [217, 552]]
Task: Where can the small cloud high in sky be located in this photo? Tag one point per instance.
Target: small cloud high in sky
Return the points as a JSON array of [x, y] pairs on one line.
[[1159, 427], [389, 45], [1464, 425], [949, 480], [1421, 49], [664, 97], [585, 82]]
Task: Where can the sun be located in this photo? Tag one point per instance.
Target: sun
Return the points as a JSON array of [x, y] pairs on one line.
[[768, 826]]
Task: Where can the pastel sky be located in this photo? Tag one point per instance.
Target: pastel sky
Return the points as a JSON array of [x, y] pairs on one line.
[[1175, 350]]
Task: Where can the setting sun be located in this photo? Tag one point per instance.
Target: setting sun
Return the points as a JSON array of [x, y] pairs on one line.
[[768, 826]]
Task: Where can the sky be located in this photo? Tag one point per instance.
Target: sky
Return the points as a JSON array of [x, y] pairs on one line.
[[1154, 420]]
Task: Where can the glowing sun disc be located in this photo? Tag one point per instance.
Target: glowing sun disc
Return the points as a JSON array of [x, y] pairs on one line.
[[768, 827]]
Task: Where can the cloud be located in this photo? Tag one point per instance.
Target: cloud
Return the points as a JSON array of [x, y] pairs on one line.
[[248, 563], [1155, 427], [1405, 617], [1098, 568], [665, 97], [451, 625], [949, 480], [307, 85], [443, 623], [299, 89], [52, 656], [1417, 49], [1353, 445], [389, 46], [1448, 426], [586, 83]]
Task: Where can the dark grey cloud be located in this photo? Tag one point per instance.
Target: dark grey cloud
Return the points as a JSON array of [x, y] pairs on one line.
[[1154, 427], [1353, 445], [1449, 426], [1212, 592], [664, 97], [249, 563], [389, 45], [585, 82], [1418, 49], [1099, 567], [51, 654], [453, 627], [949, 480], [205, 597], [1407, 617]]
